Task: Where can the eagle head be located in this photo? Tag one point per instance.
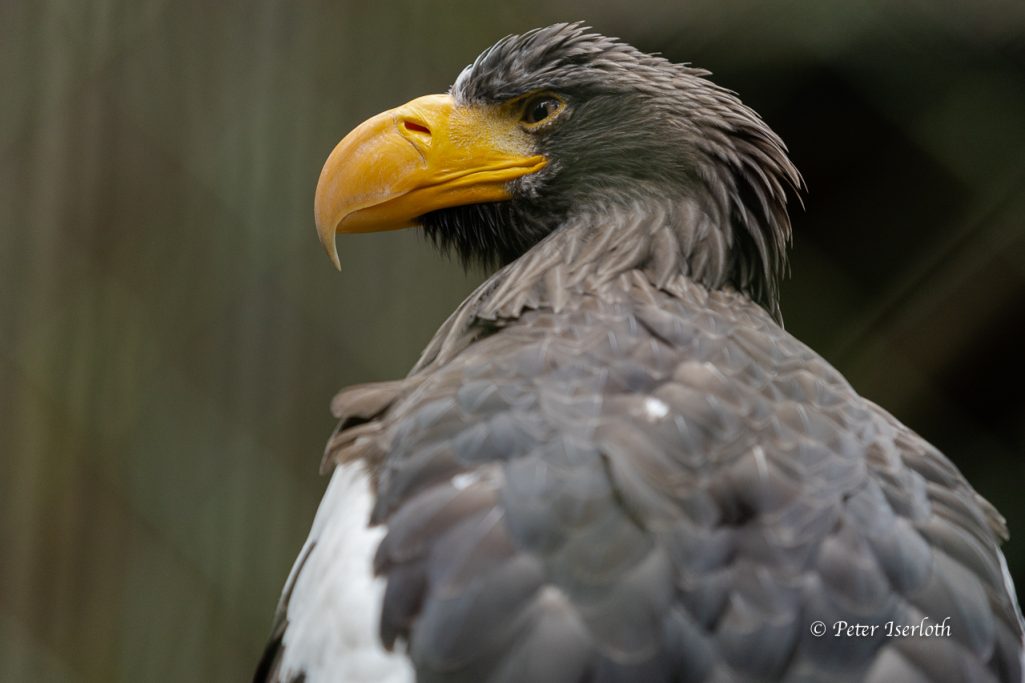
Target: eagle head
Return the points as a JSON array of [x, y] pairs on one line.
[[559, 124]]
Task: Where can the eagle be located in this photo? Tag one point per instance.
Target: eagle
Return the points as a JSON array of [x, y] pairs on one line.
[[612, 463]]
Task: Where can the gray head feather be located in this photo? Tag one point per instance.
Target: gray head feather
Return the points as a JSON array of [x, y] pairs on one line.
[[638, 129]]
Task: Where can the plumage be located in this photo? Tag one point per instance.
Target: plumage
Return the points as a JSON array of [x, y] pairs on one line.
[[612, 463]]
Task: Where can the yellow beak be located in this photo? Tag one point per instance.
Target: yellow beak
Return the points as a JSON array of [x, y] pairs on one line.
[[426, 155]]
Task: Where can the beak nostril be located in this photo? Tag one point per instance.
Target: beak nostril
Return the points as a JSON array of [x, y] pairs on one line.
[[416, 127]]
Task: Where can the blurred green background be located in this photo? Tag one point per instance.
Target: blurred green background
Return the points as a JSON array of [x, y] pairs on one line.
[[171, 331]]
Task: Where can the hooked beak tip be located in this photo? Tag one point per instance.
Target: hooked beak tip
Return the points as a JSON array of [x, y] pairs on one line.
[[332, 252], [327, 238]]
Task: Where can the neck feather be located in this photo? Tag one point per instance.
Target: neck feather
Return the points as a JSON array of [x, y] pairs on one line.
[[659, 239], [609, 251]]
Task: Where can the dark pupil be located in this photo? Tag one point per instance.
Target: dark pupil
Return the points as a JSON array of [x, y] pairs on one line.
[[541, 110]]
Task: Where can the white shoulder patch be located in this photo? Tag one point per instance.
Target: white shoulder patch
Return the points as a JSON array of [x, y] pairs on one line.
[[335, 606], [1009, 587]]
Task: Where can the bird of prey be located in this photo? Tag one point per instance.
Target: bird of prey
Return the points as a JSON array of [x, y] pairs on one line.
[[612, 463]]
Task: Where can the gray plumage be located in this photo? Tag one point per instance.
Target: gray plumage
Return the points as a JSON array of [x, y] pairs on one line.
[[613, 464]]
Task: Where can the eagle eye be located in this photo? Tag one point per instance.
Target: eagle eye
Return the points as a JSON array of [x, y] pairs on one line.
[[540, 109]]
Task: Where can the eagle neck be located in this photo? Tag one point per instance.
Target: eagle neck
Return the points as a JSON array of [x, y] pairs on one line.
[[616, 250], [657, 239]]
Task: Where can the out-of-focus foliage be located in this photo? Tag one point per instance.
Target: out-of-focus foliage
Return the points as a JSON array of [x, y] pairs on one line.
[[171, 331]]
